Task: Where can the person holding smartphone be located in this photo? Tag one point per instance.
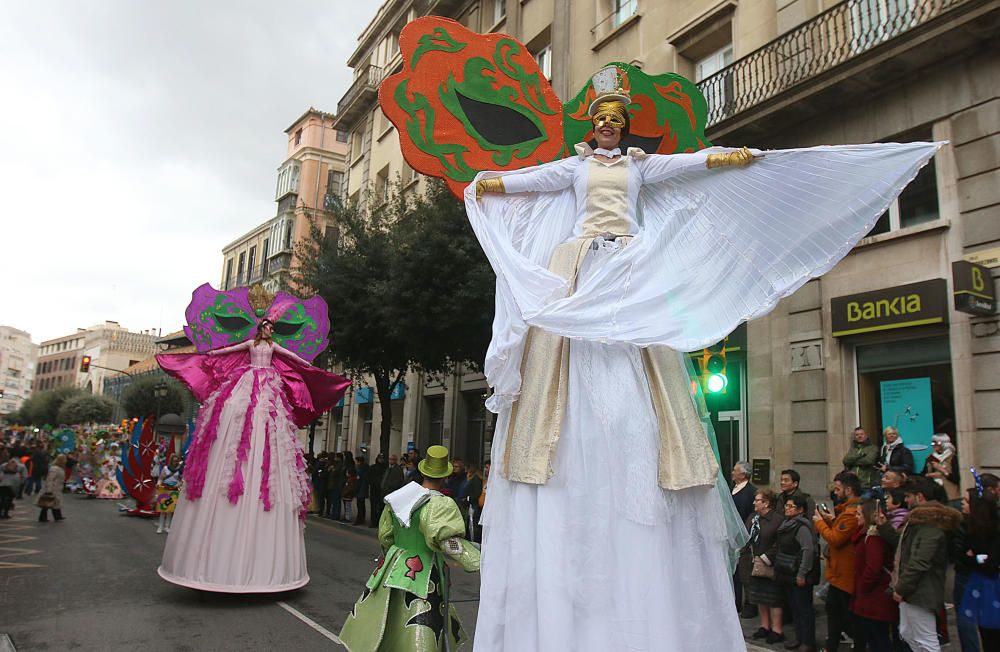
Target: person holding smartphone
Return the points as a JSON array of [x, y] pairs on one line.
[[837, 528]]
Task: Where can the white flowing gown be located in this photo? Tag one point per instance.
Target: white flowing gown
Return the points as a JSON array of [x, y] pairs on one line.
[[600, 557]]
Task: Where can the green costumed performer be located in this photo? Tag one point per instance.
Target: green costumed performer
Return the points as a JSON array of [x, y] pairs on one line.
[[404, 602]]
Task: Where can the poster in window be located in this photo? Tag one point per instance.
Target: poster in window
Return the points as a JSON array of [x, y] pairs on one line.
[[906, 404]]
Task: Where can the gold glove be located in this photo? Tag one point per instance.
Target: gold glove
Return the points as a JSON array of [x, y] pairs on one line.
[[739, 158], [494, 184]]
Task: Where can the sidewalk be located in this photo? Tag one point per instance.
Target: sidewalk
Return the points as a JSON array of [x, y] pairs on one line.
[[750, 626]]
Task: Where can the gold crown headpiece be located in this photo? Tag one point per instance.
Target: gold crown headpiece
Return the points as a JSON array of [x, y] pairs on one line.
[[260, 300]]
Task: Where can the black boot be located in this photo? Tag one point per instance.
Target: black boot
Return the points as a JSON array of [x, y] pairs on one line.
[[57, 513], [43, 517]]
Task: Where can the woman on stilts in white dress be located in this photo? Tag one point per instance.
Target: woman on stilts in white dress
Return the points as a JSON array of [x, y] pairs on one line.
[[608, 526]]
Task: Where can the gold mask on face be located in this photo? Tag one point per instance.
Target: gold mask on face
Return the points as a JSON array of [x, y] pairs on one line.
[[611, 114]]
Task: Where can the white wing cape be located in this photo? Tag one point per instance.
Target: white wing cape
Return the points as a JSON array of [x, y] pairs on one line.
[[717, 248]]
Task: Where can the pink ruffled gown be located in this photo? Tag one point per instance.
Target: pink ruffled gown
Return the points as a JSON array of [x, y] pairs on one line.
[[238, 526]]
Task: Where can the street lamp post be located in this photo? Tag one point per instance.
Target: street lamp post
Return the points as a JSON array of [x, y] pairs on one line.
[[160, 392]]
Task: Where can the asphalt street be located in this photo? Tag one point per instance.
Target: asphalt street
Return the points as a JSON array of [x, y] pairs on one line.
[[90, 583]]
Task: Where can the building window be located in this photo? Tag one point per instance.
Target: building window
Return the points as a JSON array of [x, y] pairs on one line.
[[719, 95], [251, 260], [298, 136], [544, 60], [365, 412], [435, 419], [263, 256], [622, 10], [917, 204], [334, 179], [288, 179], [240, 267], [342, 136], [382, 185], [499, 10], [288, 234], [477, 424], [229, 272]]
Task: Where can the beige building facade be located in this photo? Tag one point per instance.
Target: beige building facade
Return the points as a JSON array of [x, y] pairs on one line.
[[308, 180], [775, 74], [110, 347], [18, 357]]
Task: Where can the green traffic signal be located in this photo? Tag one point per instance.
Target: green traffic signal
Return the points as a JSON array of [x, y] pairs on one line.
[[716, 383]]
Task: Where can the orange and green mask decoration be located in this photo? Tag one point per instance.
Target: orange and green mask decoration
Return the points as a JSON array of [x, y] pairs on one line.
[[466, 102]]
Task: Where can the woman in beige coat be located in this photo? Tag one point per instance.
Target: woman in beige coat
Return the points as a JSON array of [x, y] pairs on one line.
[[50, 496]]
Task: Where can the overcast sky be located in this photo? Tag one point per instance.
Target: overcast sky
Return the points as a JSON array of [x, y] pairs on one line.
[[137, 138]]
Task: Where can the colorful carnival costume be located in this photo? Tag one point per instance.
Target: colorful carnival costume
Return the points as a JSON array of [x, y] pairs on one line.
[[238, 526], [168, 480], [608, 526], [404, 602], [108, 486]]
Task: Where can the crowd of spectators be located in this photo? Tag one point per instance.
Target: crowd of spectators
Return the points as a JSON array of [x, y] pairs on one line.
[[348, 489], [27, 469], [877, 552]]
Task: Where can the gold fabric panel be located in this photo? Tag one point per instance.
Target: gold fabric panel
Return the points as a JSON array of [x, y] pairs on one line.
[[536, 416], [607, 199], [686, 457]]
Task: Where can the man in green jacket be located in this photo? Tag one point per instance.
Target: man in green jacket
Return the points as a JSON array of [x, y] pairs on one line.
[[861, 457], [921, 562]]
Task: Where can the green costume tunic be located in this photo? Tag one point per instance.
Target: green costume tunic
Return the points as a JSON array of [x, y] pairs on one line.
[[402, 606]]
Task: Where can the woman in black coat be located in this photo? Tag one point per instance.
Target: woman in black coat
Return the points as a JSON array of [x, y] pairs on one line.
[[764, 592]]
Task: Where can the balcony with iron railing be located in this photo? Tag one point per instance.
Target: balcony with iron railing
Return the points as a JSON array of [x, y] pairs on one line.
[[249, 276], [836, 54], [358, 98]]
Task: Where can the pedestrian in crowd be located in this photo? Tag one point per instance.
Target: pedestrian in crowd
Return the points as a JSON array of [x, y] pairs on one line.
[[942, 467], [393, 478], [454, 485], [334, 483], [470, 496], [348, 487], [921, 562], [50, 493], [412, 473], [168, 477], [789, 481], [743, 495], [797, 569], [892, 480], [22, 474], [895, 455], [375, 474], [861, 458], [319, 474], [486, 484], [758, 556], [895, 508], [991, 487], [837, 529], [38, 470], [362, 494], [875, 612], [975, 553], [10, 481]]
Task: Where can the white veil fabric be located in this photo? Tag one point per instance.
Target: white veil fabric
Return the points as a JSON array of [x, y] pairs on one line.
[[717, 247]]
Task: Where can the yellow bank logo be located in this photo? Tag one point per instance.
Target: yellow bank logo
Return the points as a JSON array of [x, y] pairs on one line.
[[895, 307], [978, 284]]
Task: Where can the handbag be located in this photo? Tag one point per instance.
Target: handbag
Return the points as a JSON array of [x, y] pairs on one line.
[[761, 569], [47, 499], [786, 563]]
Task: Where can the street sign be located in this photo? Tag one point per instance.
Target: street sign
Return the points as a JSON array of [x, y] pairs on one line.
[[973, 288]]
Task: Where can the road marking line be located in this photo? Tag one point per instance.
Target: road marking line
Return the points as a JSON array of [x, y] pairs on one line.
[[312, 623], [6, 645]]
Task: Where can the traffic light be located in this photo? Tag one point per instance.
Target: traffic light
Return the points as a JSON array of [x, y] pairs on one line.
[[713, 368], [84, 364]]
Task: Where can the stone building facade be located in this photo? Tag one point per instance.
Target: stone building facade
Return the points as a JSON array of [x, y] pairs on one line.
[[18, 357], [308, 179]]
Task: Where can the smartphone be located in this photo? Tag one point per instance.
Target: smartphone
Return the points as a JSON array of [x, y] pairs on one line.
[[823, 507]]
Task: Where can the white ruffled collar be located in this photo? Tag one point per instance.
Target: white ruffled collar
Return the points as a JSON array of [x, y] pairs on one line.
[[583, 150], [408, 499]]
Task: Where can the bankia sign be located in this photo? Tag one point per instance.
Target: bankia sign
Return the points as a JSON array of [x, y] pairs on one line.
[[915, 304]]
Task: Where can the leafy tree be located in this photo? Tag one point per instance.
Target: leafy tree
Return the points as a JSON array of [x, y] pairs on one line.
[[407, 285], [86, 409], [43, 408], [140, 400]]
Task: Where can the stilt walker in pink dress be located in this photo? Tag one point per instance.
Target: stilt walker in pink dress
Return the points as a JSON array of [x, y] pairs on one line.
[[238, 526]]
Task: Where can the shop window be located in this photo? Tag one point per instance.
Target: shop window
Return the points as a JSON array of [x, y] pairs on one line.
[[907, 384]]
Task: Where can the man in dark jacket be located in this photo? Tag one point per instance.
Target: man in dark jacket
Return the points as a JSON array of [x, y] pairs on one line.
[[393, 477], [363, 487], [789, 481], [743, 493], [375, 474], [861, 458], [921, 562], [39, 469]]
